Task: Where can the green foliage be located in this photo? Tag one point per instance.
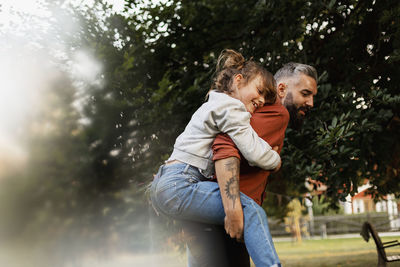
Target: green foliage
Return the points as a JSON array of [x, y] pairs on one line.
[[161, 73], [320, 206], [351, 134]]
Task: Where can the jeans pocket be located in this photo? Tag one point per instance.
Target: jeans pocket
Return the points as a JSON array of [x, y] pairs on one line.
[[166, 198], [173, 188]]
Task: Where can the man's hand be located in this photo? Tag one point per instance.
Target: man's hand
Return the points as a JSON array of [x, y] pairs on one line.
[[227, 171], [234, 224]]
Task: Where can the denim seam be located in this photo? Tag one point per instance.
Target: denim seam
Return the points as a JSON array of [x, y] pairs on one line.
[[205, 192], [162, 188]]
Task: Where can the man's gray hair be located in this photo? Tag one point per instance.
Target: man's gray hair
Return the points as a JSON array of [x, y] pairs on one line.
[[292, 69]]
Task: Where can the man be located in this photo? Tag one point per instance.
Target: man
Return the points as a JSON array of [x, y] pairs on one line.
[[208, 245]]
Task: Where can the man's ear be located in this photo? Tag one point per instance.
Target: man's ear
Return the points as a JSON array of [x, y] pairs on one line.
[[282, 90]]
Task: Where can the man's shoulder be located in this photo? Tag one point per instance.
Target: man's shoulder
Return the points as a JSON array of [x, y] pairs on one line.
[[270, 119], [274, 109]]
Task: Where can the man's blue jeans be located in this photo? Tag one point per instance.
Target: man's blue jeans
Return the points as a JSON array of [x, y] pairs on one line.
[[180, 191], [208, 245]]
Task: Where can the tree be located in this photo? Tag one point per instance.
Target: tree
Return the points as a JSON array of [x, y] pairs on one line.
[[352, 132], [163, 69]]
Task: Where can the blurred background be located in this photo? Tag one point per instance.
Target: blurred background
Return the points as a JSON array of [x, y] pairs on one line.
[[94, 92]]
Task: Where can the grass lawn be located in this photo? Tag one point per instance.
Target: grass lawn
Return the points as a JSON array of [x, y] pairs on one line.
[[352, 252], [348, 252]]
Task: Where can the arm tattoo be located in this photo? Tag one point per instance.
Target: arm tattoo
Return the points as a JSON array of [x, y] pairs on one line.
[[232, 185]]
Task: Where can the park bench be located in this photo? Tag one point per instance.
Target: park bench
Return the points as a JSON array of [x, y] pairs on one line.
[[367, 230]]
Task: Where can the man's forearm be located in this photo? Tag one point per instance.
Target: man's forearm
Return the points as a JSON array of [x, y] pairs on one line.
[[227, 171]]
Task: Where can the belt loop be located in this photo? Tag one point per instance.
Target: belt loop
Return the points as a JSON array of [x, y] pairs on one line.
[[159, 172], [186, 168], [161, 169]]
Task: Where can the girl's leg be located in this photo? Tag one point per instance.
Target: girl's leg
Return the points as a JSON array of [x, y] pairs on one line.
[[257, 237], [179, 191]]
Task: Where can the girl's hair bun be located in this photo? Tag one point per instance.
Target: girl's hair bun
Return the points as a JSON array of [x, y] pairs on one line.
[[230, 59]]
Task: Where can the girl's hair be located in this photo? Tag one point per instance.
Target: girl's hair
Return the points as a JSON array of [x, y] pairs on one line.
[[231, 63]]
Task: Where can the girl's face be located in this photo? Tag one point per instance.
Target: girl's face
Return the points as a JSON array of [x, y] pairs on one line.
[[250, 94]]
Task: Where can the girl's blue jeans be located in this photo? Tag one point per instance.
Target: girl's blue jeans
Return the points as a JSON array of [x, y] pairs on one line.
[[181, 192]]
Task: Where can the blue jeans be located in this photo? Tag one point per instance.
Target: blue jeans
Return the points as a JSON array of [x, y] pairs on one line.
[[181, 192]]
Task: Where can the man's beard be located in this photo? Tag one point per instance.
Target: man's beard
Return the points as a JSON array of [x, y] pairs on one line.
[[296, 119]]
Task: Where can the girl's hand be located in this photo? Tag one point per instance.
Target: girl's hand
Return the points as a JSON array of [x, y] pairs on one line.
[[277, 168]]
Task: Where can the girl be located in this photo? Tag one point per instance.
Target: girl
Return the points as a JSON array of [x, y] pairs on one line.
[[180, 189]]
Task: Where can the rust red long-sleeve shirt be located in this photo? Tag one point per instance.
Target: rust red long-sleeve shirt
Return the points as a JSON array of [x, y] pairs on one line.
[[270, 123]]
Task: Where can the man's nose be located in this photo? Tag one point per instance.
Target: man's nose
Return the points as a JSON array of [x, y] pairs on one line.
[[310, 102]]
